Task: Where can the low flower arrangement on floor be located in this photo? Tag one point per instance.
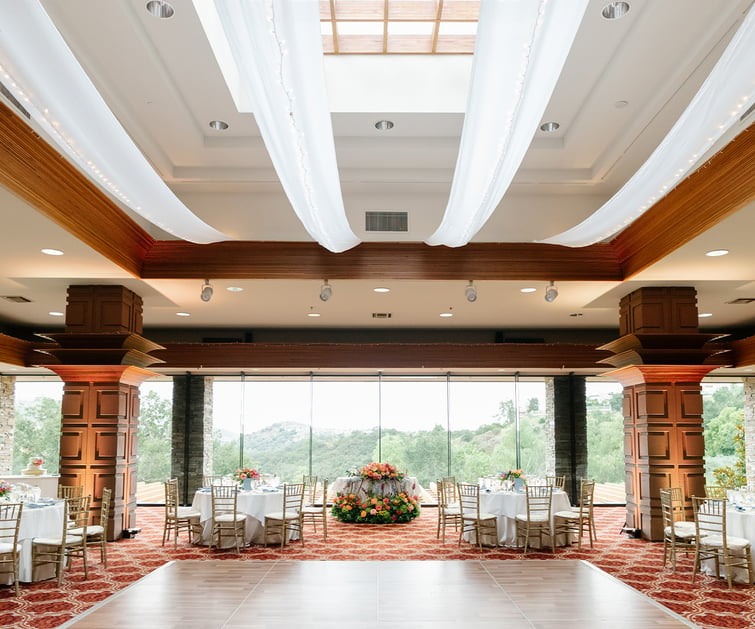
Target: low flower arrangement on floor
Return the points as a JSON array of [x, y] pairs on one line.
[[375, 509], [380, 471]]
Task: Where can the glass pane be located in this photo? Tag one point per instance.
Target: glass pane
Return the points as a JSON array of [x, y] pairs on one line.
[[37, 429], [155, 440], [344, 426], [723, 418], [605, 440]]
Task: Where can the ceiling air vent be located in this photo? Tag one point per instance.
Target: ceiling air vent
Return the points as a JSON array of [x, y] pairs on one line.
[[381, 315], [742, 300], [13, 101], [386, 221], [17, 299]]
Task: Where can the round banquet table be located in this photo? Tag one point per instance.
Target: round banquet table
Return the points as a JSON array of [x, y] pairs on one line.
[[739, 523], [254, 504], [36, 521], [506, 505]]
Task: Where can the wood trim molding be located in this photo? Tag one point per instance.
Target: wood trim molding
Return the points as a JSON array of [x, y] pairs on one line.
[[720, 187], [37, 173], [373, 260], [744, 351], [122, 374], [14, 351], [644, 374]]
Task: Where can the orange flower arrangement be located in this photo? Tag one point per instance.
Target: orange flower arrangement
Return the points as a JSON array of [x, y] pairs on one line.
[[375, 509]]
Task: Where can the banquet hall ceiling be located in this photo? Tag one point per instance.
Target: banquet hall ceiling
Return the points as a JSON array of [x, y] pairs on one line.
[[624, 84]]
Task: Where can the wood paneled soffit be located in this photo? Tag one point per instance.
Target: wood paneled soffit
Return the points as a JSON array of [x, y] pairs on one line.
[[720, 187], [14, 351], [30, 168], [33, 170], [373, 260], [380, 355]]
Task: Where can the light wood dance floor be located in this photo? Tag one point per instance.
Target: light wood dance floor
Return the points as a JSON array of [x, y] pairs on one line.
[[516, 594]]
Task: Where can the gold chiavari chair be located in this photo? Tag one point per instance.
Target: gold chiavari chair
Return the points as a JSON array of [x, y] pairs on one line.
[[179, 518], [570, 522], [10, 522], [448, 506], [70, 491], [678, 533], [290, 519], [312, 514], [226, 519], [472, 519], [537, 521]]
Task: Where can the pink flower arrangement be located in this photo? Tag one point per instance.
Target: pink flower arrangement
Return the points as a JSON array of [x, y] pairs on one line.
[[246, 472], [5, 488], [380, 471], [36, 460]]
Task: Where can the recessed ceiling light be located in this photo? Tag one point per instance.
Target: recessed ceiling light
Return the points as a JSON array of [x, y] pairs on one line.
[[615, 10], [446, 314], [620, 104], [160, 8], [527, 290], [218, 125], [704, 315], [382, 289], [234, 289], [384, 125], [313, 314], [576, 314], [717, 252], [549, 127], [54, 313], [52, 252], [183, 314]]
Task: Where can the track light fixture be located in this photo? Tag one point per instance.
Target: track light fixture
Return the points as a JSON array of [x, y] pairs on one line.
[[471, 292], [206, 293], [551, 292], [326, 291]]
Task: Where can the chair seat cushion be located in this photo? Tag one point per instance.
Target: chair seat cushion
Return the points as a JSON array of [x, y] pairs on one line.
[[56, 541], [94, 529], [717, 541], [188, 513], [452, 510], [278, 515], [77, 531], [680, 533], [684, 529], [312, 510], [568, 515], [535, 517], [7, 547], [228, 517], [479, 516]]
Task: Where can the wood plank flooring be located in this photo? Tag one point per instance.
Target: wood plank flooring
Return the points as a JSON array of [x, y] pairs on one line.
[[516, 594]]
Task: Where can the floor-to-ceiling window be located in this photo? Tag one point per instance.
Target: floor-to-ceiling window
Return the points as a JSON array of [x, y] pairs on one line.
[[605, 439], [723, 423], [154, 438], [37, 422]]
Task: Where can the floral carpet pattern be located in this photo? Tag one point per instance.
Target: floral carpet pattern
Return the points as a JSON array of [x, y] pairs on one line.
[[638, 563]]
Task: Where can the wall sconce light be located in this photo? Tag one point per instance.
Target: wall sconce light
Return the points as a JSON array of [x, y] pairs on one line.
[[551, 292], [326, 291], [471, 292], [207, 291]]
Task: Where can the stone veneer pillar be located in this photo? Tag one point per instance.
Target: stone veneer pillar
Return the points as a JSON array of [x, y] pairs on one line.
[[191, 449], [566, 429], [7, 422], [749, 426]]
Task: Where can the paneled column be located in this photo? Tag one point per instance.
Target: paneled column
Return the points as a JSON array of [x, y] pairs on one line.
[[101, 359], [661, 359]]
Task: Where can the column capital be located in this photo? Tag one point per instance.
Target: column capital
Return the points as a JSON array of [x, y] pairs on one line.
[[645, 374], [123, 374]]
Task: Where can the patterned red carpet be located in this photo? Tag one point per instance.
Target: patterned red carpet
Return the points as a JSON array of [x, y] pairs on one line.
[[708, 603]]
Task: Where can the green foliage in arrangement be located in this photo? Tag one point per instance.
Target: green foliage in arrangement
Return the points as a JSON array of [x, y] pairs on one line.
[[375, 509]]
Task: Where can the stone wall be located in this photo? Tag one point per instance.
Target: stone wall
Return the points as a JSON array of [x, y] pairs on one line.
[[550, 427], [749, 426], [7, 422], [191, 448], [570, 430]]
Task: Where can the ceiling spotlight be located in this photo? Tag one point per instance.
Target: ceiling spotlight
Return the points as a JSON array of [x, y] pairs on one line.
[[551, 293], [471, 292], [549, 127], [615, 10], [326, 291], [160, 8], [384, 125], [206, 293], [218, 125]]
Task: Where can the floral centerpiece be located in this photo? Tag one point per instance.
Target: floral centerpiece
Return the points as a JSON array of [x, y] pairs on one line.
[[36, 461], [5, 489], [375, 509], [34, 468], [511, 475], [380, 471], [241, 474]]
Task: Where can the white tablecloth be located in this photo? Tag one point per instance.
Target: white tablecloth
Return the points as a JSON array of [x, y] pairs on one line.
[[506, 505], [738, 524], [357, 484], [48, 484], [36, 522], [254, 504]]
